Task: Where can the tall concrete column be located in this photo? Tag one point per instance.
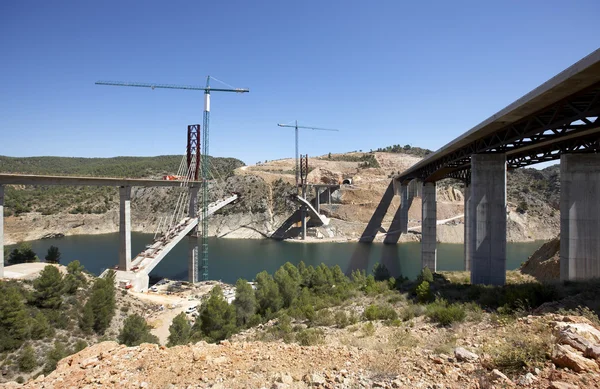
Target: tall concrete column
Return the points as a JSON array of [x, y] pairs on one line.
[[404, 207], [318, 201], [193, 238], [579, 216], [2, 230], [429, 227], [329, 196], [303, 221], [125, 228], [487, 214], [467, 219]]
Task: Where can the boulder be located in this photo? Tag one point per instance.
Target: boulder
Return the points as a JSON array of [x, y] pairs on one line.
[[574, 340], [566, 356], [464, 355]]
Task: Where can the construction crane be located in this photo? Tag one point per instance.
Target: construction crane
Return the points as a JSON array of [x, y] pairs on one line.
[[296, 126], [205, 121]]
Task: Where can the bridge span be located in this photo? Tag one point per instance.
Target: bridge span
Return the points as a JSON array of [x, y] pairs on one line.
[[557, 120], [138, 270]]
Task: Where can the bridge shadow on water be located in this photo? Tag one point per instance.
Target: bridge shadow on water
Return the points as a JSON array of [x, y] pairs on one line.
[[388, 252]]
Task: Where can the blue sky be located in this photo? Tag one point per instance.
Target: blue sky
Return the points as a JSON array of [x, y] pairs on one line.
[[383, 72]]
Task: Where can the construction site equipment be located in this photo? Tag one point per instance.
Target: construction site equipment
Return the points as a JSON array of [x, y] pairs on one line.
[[205, 132], [296, 127]]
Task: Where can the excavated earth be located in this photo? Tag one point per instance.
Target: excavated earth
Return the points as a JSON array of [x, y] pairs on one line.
[[405, 357]]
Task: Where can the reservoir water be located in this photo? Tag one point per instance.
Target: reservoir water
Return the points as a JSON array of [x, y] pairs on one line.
[[230, 259]]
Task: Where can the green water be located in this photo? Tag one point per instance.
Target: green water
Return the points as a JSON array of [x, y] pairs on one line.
[[231, 259]]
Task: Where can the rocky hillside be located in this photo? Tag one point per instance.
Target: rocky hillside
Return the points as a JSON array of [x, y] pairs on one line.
[[265, 206]]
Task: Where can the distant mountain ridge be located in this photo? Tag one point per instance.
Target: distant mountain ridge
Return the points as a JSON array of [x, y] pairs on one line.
[[130, 167]]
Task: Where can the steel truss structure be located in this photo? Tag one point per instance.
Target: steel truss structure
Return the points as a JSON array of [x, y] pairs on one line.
[[571, 125]]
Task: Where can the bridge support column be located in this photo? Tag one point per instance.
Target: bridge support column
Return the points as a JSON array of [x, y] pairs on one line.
[[125, 228], [429, 227], [579, 216], [404, 205], [303, 221], [487, 219], [193, 238], [2, 230], [318, 200], [467, 219], [329, 196]]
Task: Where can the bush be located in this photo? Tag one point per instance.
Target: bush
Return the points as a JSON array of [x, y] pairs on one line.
[[425, 275], [57, 353], [323, 318], [519, 351], [53, 255], [27, 361], [443, 313], [423, 292], [368, 329], [245, 302], [136, 331], [380, 312], [341, 319], [310, 337], [411, 311]]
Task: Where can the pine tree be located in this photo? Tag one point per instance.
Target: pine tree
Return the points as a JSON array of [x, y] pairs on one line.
[[267, 294], [217, 317], [13, 319], [288, 284], [75, 277], [22, 254], [40, 327], [381, 272], [101, 303], [245, 302], [179, 331], [86, 321], [48, 288], [136, 331], [53, 255]]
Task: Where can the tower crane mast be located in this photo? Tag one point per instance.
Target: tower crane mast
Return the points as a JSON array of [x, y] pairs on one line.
[[205, 171], [296, 127]]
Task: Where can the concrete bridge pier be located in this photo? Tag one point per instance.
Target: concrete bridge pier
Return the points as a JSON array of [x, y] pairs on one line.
[[2, 230], [579, 216], [467, 223], [318, 199], [193, 238], [404, 205], [125, 228], [429, 227], [487, 219]]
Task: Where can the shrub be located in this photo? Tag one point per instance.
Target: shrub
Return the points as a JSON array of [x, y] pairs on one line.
[[310, 337], [80, 345], [425, 275], [217, 318], [341, 319], [57, 353], [368, 329], [27, 361], [518, 351], [443, 313], [380, 312], [245, 302], [424, 292], [411, 311], [323, 318]]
